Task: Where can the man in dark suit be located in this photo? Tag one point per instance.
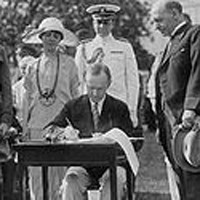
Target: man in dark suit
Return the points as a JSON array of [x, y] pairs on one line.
[[177, 85], [113, 113], [5, 118]]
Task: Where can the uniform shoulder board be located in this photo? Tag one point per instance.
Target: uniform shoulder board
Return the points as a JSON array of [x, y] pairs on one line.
[[86, 40], [122, 39]]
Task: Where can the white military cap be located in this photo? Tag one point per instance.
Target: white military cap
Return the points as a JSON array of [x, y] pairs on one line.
[[105, 11]]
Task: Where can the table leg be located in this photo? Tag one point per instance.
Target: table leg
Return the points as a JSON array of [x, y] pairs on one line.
[[21, 182], [113, 182], [45, 182], [113, 176], [129, 178]]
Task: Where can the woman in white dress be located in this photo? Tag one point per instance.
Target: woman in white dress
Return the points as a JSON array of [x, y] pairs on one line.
[[52, 80]]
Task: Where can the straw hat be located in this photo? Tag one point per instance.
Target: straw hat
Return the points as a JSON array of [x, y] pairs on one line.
[[186, 148]]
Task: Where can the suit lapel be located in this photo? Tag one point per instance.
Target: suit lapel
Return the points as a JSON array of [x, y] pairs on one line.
[[175, 44], [166, 54]]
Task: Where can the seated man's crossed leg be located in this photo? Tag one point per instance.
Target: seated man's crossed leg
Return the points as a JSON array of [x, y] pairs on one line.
[[77, 180]]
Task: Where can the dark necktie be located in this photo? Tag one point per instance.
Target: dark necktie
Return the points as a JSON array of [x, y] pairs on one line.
[[95, 113]]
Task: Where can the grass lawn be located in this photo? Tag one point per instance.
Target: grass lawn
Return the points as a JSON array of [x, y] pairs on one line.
[[152, 196], [151, 182]]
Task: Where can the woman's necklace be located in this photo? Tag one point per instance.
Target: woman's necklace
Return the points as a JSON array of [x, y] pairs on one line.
[[47, 96]]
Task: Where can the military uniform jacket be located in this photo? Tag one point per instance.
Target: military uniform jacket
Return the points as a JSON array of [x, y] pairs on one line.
[[178, 75], [119, 57], [5, 90]]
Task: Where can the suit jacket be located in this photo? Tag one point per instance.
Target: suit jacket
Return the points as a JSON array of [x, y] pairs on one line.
[[5, 90], [114, 113], [178, 75]]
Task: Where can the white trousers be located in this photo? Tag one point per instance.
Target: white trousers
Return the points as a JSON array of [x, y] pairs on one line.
[[173, 188], [77, 180]]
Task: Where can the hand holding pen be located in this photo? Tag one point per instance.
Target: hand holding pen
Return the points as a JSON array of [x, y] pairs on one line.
[[70, 133]]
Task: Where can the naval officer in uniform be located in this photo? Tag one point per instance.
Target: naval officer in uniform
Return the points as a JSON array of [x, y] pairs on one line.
[[118, 54]]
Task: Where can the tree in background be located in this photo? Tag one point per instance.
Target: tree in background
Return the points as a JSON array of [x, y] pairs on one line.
[[16, 15]]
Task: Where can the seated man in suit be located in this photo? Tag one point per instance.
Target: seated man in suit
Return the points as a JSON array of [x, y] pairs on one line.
[[80, 113]]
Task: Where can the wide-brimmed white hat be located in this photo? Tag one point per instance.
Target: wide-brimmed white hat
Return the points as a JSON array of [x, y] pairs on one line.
[[51, 24]]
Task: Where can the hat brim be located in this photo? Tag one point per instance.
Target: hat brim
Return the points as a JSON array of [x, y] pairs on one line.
[[32, 37], [32, 40], [177, 150], [70, 39], [103, 16]]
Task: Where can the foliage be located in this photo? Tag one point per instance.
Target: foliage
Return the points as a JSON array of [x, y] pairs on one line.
[[16, 15]]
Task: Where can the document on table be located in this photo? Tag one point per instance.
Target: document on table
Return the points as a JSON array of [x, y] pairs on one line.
[[123, 140], [116, 135]]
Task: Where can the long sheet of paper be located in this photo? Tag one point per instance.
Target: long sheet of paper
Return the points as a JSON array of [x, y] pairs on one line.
[[123, 140]]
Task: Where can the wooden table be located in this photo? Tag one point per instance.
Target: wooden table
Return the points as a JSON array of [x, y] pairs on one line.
[[38, 153]]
